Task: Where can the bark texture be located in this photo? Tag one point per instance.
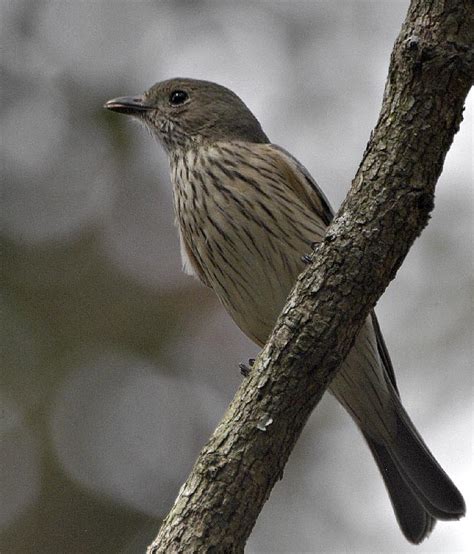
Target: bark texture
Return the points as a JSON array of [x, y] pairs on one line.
[[431, 72]]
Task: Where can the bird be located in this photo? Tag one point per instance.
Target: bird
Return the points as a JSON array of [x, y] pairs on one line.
[[247, 212]]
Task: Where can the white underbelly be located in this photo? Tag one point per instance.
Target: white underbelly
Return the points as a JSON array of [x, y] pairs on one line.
[[255, 274]]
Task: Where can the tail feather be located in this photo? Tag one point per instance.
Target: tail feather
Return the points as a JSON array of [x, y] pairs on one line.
[[419, 489], [429, 482], [414, 521]]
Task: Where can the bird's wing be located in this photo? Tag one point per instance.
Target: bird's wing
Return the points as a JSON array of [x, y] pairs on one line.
[[308, 191], [383, 352], [302, 183]]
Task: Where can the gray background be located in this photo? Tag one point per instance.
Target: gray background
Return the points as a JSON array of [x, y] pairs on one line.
[[115, 366]]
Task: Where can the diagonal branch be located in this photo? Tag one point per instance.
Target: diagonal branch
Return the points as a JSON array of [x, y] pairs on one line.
[[388, 206]]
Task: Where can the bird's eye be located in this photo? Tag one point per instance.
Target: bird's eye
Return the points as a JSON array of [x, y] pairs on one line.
[[178, 97]]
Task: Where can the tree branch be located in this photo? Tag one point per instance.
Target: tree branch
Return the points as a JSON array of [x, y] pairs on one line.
[[389, 203]]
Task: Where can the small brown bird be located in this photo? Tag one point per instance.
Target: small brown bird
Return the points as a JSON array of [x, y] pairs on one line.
[[247, 212]]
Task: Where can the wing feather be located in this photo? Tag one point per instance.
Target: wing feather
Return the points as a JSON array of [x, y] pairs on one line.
[[302, 183], [308, 191]]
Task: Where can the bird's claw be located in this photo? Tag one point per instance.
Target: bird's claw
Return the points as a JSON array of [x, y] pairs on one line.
[[245, 369]]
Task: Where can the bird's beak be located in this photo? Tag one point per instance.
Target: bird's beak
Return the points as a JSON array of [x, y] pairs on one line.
[[128, 105]]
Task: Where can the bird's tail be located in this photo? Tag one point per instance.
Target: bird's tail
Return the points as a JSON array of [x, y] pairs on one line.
[[419, 489]]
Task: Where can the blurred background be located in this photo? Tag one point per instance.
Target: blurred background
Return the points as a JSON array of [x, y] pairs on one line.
[[116, 367]]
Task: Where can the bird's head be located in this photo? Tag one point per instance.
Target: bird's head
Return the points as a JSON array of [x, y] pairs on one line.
[[184, 112]]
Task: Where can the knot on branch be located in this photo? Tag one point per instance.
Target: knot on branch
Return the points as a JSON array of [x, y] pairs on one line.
[[412, 43], [425, 204], [423, 201], [447, 54]]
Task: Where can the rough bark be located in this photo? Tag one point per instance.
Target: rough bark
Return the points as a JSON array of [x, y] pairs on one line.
[[386, 209]]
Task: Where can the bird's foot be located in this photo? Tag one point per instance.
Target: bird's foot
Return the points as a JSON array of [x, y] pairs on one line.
[[245, 369]]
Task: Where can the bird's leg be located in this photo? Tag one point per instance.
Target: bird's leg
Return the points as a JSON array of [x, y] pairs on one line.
[[308, 258]]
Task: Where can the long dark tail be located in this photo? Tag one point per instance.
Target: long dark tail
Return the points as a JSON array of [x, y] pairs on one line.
[[419, 489]]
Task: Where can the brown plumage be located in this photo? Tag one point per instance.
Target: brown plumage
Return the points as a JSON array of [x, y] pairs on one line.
[[246, 212]]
